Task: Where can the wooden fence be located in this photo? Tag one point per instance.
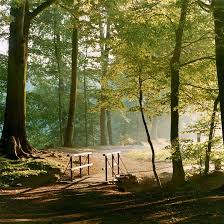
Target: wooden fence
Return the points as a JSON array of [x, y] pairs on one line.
[[114, 157], [81, 164]]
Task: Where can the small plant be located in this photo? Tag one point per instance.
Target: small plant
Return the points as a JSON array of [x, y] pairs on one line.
[[194, 154]]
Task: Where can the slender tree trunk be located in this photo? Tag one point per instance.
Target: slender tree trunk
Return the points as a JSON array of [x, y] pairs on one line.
[[68, 141], [211, 134], [92, 130], [103, 139], [104, 65], [85, 101], [218, 13], [58, 58], [109, 128], [148, 135], [178, 177]]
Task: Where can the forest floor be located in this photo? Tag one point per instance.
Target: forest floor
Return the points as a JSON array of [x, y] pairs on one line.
[[93, 201]]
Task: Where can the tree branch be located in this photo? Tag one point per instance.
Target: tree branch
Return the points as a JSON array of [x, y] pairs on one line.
[[198, 87], [204, 6], [70, 10], [203, 37], [40, 8], [198, 59]]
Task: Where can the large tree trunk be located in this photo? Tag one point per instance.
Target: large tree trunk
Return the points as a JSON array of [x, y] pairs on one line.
[[211, 133], [109, 128], [68, 141], [218, 13], [14, 139], [178, 177]]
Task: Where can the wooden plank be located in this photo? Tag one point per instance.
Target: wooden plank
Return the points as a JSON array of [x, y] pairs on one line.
[[79, 167], [82, 154], [108, 154]]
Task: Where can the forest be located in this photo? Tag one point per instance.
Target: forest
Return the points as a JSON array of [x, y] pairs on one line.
[[139, 79]]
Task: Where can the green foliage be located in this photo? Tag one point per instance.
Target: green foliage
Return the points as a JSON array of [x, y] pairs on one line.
[[141, 40], [193, 154]]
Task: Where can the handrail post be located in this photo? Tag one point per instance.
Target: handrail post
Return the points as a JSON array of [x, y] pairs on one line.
[[80, 164], [71, 168], [112, 165], [118, 163], [106, 167], [88, 163]]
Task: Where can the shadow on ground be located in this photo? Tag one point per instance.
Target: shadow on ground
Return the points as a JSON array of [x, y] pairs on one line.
[[86, 203]]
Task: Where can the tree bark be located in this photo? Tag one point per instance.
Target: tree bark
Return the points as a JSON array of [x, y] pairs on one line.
[[109, 128], [218, 14], [147, 134], [178, 177], [68, 141], [211, 134]]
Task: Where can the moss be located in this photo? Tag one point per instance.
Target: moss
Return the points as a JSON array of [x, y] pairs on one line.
[[30, 173]]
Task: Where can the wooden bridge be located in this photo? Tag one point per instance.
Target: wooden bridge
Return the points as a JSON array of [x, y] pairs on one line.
[[82, 161]]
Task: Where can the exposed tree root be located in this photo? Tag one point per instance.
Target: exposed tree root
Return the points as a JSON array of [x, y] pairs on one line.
[[12, 148]]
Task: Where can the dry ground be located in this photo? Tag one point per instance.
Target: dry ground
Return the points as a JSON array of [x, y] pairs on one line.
[[93, 201], [97, 203]]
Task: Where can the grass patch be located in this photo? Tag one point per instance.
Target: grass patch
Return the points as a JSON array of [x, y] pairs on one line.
[[28, 173], [145, 154]]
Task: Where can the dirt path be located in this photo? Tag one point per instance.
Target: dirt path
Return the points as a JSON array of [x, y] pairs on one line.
[[96, 204], [138, 167]]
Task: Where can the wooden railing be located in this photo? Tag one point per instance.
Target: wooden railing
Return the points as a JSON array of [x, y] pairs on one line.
[[115, 162], [81, 165]]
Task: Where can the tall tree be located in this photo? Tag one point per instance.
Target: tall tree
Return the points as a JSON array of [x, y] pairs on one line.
[[109, 128], [218, 14], [58, 57], [104, 37], [147, 132], [68, 142], [178, 171], [14, 139]]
